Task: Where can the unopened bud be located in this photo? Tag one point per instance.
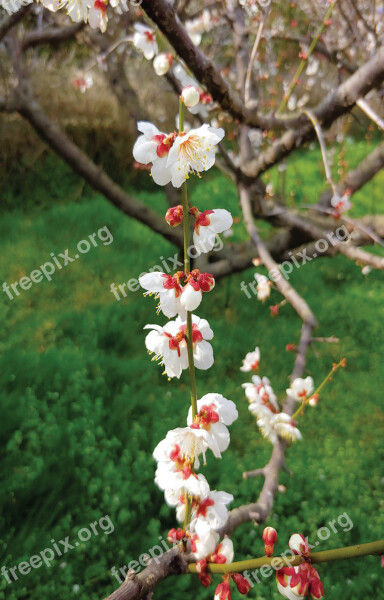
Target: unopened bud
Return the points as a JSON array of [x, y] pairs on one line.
[[299, 545], [242, 584], [269, 539], [162, 63], [190, 96], [174, 216]]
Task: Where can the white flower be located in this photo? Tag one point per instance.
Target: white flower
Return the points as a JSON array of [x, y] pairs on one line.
[[207, 224], [153, 147], [260, 391], [177, 457], [214, 414], [196, 27], [204, 540], [205, 98], [144, 39], [300, 389], [284, 427], [193, 152], [190, 95], [211, 507], [341, 203], [224, 550], [251, 361], [168, 289], [263, 287], [192, 292], [97, 16], [169, 344], [162, 63], [266, 427]]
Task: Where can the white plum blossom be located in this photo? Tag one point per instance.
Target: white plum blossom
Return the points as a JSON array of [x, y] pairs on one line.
[[211, 506], [193, 152], [153, 147], [260, 391], [251, 361], [169, 345], [201, 108], [176, 298], [224, 551], [177, 457], [168, 289], [196, 27], [204, 540], [144, 39], [273, 425], [285, 428], [301, 389], [263, 287], [266, 427], [214, 414], [207, 225], [341, 203], [175, 156], [162, 63]]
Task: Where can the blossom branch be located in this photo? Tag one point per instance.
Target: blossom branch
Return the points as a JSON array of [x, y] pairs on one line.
[[349, 552]]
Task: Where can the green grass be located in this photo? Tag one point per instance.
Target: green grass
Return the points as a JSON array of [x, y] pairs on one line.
[[83, 406]]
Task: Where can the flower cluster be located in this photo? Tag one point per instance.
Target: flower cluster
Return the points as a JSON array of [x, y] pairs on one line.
[[184, 343], [263, 404]]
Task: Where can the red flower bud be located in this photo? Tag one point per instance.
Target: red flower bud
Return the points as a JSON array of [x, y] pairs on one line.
[[174, 216], [269, 539], [175, 535], [205, 579], [291, 347], [242, 584]]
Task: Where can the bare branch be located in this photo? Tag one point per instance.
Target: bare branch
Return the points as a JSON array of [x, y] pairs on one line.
[[28, 107], [52, 35], [7, 24], [337, 103]]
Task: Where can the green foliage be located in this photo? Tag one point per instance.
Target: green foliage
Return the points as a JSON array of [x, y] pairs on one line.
[[83, 406]]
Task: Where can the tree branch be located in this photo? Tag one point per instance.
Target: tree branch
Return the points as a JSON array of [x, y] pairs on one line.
[[338, 102], [28, 107]]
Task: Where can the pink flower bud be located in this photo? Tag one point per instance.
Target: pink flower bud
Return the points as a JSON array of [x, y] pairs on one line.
[[299, 545], [223, 591], [317, 590], [201, 566], [242, 584], [269, 539], [174, 216], [205, 579], [175, 535], [190, 96]]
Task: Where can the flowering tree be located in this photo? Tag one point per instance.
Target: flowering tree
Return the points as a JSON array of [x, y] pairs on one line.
[[246, 114]]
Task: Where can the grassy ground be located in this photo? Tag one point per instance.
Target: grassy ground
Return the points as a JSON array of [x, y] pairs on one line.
[[83, 406]]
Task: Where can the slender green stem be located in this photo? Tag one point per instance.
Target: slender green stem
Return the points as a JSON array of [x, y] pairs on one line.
[[304, 61], [187, 267], [322, 384], [372, 548]]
